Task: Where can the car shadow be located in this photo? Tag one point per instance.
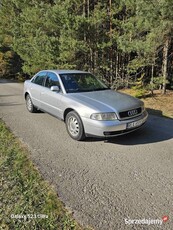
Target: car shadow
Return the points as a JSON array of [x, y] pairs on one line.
[[157, 129], [10, 95], [5, 81], [10, 104]]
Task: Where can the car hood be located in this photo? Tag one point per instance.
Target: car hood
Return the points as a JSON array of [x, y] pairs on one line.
[[107, 100]]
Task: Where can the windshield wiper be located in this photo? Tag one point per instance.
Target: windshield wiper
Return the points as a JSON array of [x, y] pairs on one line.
[[99, 89], [86, 90]]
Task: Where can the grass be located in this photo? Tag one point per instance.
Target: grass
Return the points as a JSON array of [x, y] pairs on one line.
[[26, 200]]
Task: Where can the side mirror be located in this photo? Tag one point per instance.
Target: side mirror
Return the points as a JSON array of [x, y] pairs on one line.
[[55, 88]]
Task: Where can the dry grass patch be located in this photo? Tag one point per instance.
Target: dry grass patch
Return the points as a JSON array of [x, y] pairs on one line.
[[158, 103]]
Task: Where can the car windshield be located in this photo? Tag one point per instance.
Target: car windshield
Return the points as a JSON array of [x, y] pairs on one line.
[[81, 82]]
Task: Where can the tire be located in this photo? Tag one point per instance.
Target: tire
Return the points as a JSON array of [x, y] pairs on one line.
[[74, 126], [29, 105]]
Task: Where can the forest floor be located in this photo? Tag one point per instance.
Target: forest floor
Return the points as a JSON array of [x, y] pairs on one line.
[[157, 104]]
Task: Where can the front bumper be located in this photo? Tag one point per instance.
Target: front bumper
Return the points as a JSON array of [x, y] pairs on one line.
[[113, 128]]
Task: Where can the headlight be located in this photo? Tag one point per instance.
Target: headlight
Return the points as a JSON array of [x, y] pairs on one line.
[[143, 108], [103, 116]]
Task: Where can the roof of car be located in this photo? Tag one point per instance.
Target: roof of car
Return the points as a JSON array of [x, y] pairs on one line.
[[65, 71]]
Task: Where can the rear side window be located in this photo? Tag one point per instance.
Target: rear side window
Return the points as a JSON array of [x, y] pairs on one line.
[[40, 78]]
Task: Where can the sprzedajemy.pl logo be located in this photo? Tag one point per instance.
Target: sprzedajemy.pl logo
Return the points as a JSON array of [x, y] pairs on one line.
[[148, 221]]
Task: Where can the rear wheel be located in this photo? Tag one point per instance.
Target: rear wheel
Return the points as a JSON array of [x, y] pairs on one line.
[[29, 105], [74, 126]]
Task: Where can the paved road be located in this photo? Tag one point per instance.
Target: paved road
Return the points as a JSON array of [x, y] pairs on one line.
[[129, 177]]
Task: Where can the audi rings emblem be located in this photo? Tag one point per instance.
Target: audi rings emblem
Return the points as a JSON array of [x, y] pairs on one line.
[[132, 112]]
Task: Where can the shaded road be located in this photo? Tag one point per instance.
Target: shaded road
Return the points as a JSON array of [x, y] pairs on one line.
[[102, 182]]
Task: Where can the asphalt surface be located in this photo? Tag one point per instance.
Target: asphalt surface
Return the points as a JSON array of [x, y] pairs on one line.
[[105, 184]]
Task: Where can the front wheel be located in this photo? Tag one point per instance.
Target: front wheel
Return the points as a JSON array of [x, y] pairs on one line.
[[74, 126], [29, 105]]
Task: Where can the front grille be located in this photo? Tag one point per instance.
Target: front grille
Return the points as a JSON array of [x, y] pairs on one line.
[[130, 113]]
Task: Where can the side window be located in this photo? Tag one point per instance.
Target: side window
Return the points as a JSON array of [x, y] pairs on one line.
[[51, 80], [39, 79]]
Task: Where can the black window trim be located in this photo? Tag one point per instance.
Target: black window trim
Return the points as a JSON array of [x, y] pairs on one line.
[[50, 72], [41, 72]]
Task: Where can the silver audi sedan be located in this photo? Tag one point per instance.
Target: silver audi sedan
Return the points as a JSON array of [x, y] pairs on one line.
[[86, 105]]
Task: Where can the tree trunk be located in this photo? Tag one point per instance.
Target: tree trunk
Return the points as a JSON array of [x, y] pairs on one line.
[[152, 75], [165, 64]]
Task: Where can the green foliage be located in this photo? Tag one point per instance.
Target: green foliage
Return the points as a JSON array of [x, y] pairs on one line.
[[136, 64], [115, 39], [145, 33], [156, 83], [10, 63], [140, 92], [36, 41], [139, 87]]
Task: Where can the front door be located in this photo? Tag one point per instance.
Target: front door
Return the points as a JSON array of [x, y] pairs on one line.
[[51, 100]]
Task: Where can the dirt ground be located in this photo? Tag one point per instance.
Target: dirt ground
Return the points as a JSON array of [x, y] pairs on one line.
[[158, 103]]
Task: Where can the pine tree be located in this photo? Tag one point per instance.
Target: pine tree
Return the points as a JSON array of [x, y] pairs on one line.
[[147, 31]]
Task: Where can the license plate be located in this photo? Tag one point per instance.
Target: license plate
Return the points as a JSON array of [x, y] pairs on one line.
[[135, 124]]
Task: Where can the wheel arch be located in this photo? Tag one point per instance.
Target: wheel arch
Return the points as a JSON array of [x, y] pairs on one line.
[[66, 112], [26, 93], [70, 110]]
